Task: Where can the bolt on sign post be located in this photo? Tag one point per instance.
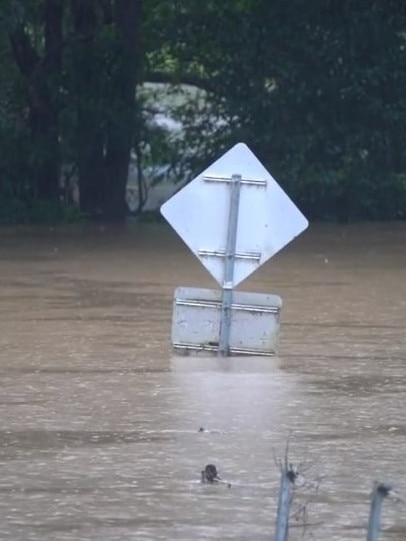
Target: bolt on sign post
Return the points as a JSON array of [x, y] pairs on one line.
[[234, 217]]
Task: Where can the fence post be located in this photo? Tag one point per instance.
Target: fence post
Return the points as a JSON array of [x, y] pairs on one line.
[[288, 477], [374, 523]]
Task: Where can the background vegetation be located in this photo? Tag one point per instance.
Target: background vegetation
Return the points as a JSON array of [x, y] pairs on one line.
[[315, 87]]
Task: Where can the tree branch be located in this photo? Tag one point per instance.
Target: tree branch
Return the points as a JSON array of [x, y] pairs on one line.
[[164, 77], [24, 53]]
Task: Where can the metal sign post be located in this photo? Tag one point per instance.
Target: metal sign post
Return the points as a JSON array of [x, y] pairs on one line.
[[228, 282]]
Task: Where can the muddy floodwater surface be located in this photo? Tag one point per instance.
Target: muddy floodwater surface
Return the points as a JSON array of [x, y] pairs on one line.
[[99, 421]]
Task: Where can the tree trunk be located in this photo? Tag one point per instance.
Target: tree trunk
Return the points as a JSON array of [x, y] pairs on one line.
[[106, 77], [42, 76], [87, 86], [121, 128]]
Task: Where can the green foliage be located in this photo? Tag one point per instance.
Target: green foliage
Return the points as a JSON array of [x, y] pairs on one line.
[[12, 210], [74, 66], [316, 89], [49, 213], [18, 208]]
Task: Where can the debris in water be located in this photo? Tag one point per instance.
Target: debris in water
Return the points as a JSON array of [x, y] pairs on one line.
[[210, 475]]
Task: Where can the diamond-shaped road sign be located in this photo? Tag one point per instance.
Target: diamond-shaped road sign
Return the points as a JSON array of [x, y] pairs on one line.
[[267, 218]]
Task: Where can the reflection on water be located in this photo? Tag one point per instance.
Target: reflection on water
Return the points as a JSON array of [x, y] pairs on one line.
[[100, 424]]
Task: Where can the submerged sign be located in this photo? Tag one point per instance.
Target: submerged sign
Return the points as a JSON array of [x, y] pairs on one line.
[[197, 319], [234, 216]]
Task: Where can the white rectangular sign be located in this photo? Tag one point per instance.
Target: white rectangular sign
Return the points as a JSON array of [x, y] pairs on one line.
[[255, 322]]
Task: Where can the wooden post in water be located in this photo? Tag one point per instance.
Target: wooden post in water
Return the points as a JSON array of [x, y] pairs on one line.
[[374, 523]]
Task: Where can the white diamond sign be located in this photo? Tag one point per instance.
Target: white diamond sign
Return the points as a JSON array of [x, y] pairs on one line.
[[267, 218]]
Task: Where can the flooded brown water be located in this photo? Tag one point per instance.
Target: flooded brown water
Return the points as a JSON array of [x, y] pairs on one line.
[[99, 422]]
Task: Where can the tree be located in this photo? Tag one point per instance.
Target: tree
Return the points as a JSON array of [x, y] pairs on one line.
[[104, 76], [40, 69], [315, 89], [78, 68]]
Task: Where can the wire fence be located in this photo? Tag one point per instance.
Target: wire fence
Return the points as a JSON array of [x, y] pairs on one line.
[[288, 478]]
